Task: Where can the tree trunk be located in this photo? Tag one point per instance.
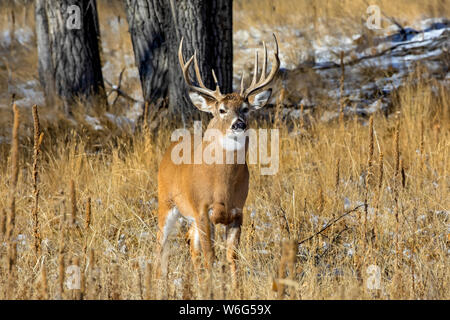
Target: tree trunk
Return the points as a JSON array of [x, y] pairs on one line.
[[43, 47], [69, 53], [146, 26], [157, 29]]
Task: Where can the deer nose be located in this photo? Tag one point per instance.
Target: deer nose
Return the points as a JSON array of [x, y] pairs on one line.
[[239, 125]]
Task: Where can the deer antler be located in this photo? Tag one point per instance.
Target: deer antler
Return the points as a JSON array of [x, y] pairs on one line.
[[217, 95], [263, 81]]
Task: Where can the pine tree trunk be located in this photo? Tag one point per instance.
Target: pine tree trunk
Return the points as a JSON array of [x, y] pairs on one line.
[[156, 28], [69, 58]]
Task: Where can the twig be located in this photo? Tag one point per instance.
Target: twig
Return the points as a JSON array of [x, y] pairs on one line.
[[329, 224], [319, 256], [371, 56], [119, 91]]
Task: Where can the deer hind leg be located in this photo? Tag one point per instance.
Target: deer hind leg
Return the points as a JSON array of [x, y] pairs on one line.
[[166, 224], [233, 233]]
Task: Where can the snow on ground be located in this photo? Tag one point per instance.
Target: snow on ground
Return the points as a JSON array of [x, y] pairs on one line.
[[22, 35], [426, 41], [325, 50], [29, 94]]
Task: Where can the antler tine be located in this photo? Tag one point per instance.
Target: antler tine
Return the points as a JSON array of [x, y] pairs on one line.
[[264, 67], [181, 58], [255, 71], [215, 79], [242, 84], [197, 71], [276, 43], [180, 53], [185, 67], [263, 81]]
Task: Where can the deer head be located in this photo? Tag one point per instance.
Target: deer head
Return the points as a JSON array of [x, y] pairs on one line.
[[230, 111]]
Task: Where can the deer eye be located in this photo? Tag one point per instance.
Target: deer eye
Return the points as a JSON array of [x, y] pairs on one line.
[[222, 111], [244, 110]]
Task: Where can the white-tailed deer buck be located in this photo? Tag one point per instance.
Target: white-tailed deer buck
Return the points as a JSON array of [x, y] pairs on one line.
[[209, 194]]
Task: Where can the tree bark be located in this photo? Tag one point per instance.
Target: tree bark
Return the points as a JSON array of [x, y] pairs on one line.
[[156, 30], [69, 58], [45, 64], [146, 25]]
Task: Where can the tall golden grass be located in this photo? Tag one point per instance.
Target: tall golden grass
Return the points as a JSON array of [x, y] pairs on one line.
[[403, 231]]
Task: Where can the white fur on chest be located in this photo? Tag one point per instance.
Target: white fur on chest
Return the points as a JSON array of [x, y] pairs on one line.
[[232, 142]]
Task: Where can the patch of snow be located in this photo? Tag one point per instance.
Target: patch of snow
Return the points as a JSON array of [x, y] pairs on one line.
[[314, 219], [347, 203], [178, 282], [30, 93], [24, 35], [134, 113], [241, 37], [144, 235], [122, 245], [5, 38], [120, 121], [142, 262], [93, 122], [109, 249]]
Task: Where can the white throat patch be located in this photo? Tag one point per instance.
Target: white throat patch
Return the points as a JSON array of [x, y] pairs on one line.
[[232, 141]]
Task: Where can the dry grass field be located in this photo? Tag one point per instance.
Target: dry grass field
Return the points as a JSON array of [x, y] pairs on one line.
[[84, 193]]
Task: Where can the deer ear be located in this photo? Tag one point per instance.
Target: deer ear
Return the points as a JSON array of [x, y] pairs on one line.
[[259, 100], [202, 103]]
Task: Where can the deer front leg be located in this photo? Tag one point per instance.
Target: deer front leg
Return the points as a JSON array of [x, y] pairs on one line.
[[205, 231], [233, 237], [193, 235], [202, 230]]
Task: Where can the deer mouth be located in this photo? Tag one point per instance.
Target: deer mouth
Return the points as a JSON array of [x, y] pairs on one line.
[[237, 132], [238, 127]]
